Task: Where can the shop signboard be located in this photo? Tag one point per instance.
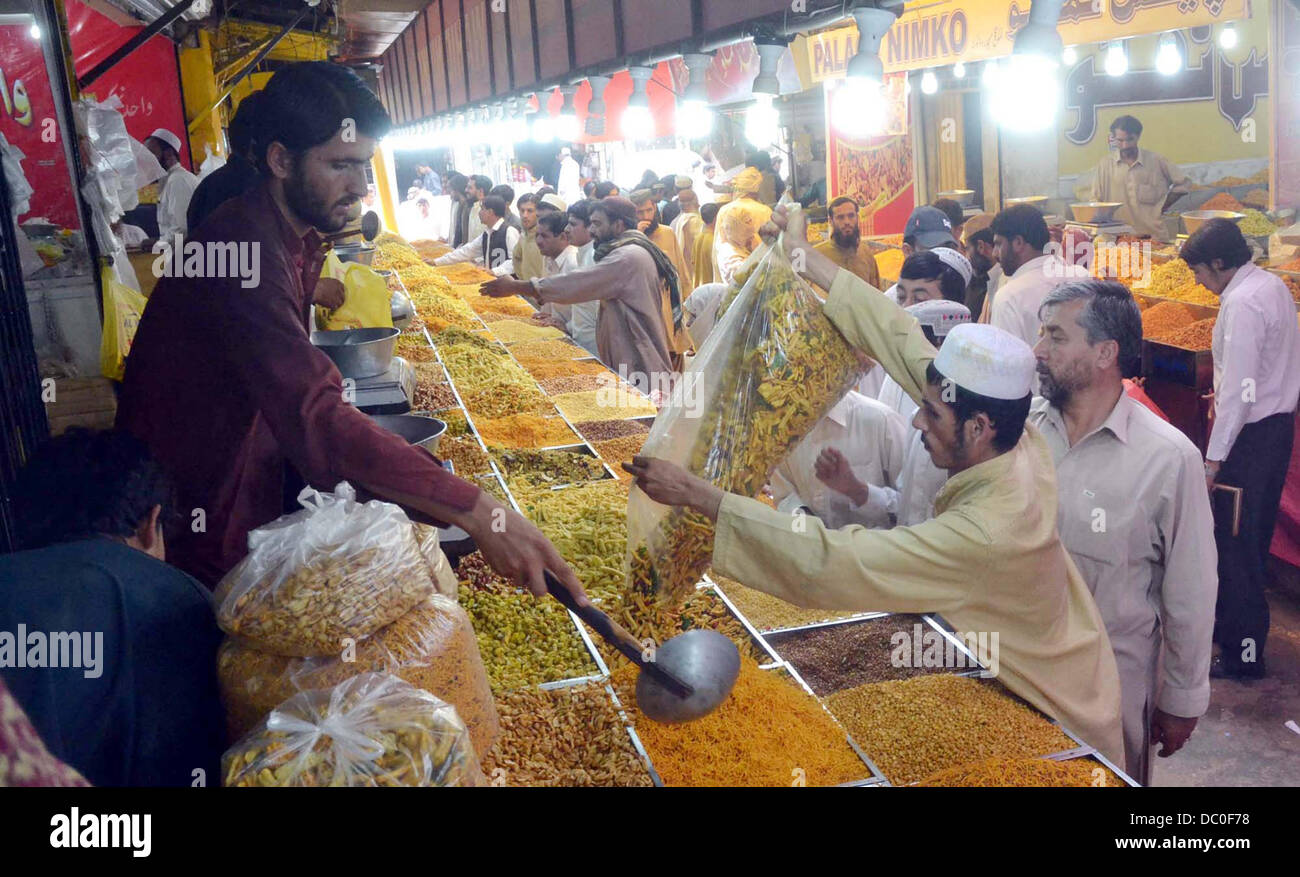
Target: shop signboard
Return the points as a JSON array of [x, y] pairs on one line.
[[931, 33]]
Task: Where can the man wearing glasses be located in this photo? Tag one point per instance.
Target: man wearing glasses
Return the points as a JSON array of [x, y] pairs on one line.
[[1145, 182]]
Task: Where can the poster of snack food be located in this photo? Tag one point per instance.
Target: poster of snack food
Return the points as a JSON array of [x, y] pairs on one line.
[[876, 171]]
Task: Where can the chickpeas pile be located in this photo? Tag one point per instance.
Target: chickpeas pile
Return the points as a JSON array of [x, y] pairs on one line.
[[564, 737], [912, 728]]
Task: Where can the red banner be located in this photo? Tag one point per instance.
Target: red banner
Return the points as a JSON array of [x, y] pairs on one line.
[[147, 81], [875, 171], [28, 120]]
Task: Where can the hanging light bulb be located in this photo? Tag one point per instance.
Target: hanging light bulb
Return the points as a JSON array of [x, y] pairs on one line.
[[543, 121], [1169, 60], [638, 123], [35, 31], [1116, 59], [762, 122], [1026, 92], [859, 108], [566, 123], [929, 82], [959, 70], [694, 117], [858, 105], [989, 75], [1228, 36], [1070, 55]]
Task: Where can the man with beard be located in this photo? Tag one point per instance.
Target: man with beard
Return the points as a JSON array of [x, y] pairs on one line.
[[845, 246], [1145, 182], [226, 388], [647, 215], [989, 560], [634, 283], [977, 242], [1133, 513]]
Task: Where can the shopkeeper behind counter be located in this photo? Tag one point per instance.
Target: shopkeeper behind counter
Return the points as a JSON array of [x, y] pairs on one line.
[[990, 560], [225, 386]]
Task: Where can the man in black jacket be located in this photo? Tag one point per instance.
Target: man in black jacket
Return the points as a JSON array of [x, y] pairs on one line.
[[110, 651]]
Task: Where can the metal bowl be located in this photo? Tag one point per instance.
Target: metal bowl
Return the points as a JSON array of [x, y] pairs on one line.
[[1196, 218], [417, 429], [964, 197], [1095, 211], [358, 353], [363, 253], [1039, 201]]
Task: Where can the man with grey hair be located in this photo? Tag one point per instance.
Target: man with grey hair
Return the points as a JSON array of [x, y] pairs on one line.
[[1133, 513]]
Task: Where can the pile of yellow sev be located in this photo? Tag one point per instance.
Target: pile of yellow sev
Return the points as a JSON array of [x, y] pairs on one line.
[[769, 732]]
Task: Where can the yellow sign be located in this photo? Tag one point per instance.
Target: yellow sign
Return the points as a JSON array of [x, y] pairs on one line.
[[928, 34]]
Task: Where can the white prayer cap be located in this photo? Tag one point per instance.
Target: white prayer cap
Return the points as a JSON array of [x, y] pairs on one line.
[[987, 360], [169, 138], [956, 261], [555, 201], [941, 315]]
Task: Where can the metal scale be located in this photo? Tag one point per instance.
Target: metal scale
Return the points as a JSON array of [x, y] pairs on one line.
[[389, 393]]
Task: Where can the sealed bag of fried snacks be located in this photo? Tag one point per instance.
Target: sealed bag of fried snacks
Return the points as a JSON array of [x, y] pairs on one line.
[[371, 730], [321, 577], [770, 369], [433, 647]]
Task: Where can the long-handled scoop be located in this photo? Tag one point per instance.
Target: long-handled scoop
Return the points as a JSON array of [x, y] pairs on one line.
[[686, 678]]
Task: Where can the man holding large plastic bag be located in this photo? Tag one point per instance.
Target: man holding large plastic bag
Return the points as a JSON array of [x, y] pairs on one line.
[[225, 386], [991, 559]]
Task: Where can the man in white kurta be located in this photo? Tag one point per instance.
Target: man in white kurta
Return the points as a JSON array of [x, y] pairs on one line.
[[1019, 238], [175, 189], [868, 437], [1133, 513], [990, 559], [910, 498]]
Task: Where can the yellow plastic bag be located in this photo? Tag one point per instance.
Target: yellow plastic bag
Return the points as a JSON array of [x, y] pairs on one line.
[[123, 307], [368, 300]]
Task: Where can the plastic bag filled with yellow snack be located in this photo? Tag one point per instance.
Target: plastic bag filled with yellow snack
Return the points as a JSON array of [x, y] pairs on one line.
[[433, 647], [771, 368], [318, 579], [371, 730]]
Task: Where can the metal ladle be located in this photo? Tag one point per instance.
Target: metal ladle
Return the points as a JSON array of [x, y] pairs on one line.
[[686, 678]]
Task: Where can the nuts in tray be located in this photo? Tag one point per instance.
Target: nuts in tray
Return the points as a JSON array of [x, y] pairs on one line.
[[771, 613], [841, 656], [604, 430], [534, 470], [396, 735], [569, 736], [912, 728]]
